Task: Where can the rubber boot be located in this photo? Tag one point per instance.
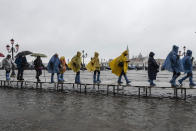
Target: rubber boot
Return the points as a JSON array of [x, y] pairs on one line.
[[119, 79], [79, 79], [94, 78], [76, 79], [52, 78], [98, 77], [18, 75], [192, 84], [62, 77], [7, 77], [173, 81], [58, 77], [38, 80]]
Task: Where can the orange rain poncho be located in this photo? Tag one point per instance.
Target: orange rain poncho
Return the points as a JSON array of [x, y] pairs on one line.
[[75, 63], [63, 65], [114, 64], [94, 63]]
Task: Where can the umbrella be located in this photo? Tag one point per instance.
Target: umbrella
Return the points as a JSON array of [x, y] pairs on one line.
[[2, 55], [41, 55], [24, 53], [38, 54]]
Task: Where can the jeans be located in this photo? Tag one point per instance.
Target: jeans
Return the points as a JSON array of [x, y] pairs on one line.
[[174, 77], [125, 76], [77, 78], [96, 76], [20, 73], [61, 77], [52, 77], [7, 74], [190, 76]]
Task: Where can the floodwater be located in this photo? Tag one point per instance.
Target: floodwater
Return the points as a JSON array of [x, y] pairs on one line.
[[47, 110]]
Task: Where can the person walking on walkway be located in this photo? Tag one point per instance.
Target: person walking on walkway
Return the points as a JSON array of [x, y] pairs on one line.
[[63, 66], [7, 66], [53, 67], [94, 65], [173, 64], [38, 65], [75, 65], [21, 63], [187, 63], [153, 69], [119, 67]]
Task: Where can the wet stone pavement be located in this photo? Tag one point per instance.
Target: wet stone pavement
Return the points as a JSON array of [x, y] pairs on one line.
[[46, 110]]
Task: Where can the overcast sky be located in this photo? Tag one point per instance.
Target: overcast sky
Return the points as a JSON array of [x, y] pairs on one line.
[[106, 26]]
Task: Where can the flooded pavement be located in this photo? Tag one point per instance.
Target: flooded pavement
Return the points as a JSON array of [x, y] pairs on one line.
[[32, 110], [46, 110]]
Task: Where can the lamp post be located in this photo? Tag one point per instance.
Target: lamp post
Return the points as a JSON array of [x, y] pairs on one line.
[[184, 48], [84, 55], [12, 50]]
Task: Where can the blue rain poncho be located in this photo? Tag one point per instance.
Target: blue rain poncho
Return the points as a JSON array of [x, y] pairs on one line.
[[187, 62], [53, 65], [173, 62]]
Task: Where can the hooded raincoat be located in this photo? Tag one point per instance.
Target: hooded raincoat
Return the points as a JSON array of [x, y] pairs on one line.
[[172, 62], [38, 65], [75, 63], [119, 64], [153, 67], [53, 65], [187, 62], [7, 64], [21, 62], [94, 63], [62, 65]]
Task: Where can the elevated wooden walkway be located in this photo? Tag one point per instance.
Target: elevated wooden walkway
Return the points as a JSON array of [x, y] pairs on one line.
[[114, 89]]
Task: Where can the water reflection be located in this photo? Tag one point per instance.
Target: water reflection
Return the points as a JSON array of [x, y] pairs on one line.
[[44, 110]]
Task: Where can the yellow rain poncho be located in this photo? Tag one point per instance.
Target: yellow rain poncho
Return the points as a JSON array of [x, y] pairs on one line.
[[114, 64], [63, 65], [75, 63], [94, 63]]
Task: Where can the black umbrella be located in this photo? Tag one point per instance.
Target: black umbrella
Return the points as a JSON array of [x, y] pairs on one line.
[[24, 53]]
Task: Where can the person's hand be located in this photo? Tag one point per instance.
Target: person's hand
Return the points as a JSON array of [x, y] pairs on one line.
[[192, 59]]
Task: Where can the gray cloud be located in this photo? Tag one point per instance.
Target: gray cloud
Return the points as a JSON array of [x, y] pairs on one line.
[[106, 26]]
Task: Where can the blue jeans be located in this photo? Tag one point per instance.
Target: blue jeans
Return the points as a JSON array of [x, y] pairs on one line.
[[96, 75], [7, 74], [77, 78], [174, 77], [61, 77], [125, 76], [190, 76], [52, 77], [20, 73]]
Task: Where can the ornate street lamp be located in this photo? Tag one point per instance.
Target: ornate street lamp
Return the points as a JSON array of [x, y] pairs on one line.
[[184, 48], [84, 55], [12, 50]]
